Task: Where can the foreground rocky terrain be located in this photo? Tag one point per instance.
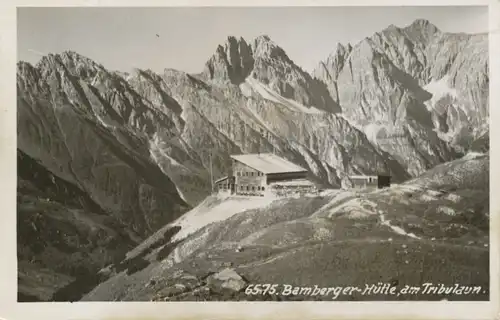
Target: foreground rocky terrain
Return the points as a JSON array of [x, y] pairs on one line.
[[107, 158]]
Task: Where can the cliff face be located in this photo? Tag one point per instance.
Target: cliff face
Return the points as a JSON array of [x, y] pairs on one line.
[[412, 88], [136, 150]]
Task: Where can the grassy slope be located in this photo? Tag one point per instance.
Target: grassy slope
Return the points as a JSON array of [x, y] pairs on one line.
[[62, 235], [336, 239]]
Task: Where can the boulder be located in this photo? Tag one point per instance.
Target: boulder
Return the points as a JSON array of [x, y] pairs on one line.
[[227, 279]]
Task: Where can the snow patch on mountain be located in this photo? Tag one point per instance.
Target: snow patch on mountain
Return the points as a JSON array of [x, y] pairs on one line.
[[439, 89], [260, 120], [246, 89], [252, 86], [394, 228], [308, 158], [183, 115], [101, 121], [447, 211], [356, 208], [215, 209], [427, 197], [154, 148], [473, 155], [372, 131], [163, 160], [455, 198]]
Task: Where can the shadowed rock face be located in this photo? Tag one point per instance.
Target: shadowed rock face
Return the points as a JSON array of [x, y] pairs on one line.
[[121, 155], [85, 147], [62, 234], [232, 62]]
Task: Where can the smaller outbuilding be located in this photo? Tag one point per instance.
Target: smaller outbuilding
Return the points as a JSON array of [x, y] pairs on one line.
[[373, 181]]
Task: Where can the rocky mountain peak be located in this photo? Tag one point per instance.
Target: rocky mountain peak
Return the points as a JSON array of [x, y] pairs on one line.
[[392, 27], [263, 38], [232, 39], [232, 61], [266, 48], [331, 67], [342, 49], [66, 57], [48, 61], [27, 75], [423, 24], [421, 30], [24, 67], [70, 55], [70, 62], [235, 60]]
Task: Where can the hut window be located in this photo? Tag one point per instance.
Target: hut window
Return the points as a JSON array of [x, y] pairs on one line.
[[262, 188], [248, 188], [253, 188]]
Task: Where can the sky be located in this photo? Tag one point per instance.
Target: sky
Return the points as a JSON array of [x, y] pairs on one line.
[[125, 38]]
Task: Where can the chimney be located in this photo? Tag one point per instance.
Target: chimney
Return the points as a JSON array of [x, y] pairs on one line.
[[211, 172], [259, 141]]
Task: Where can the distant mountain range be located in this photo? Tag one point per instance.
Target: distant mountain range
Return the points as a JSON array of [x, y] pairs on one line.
[[107, 158]]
